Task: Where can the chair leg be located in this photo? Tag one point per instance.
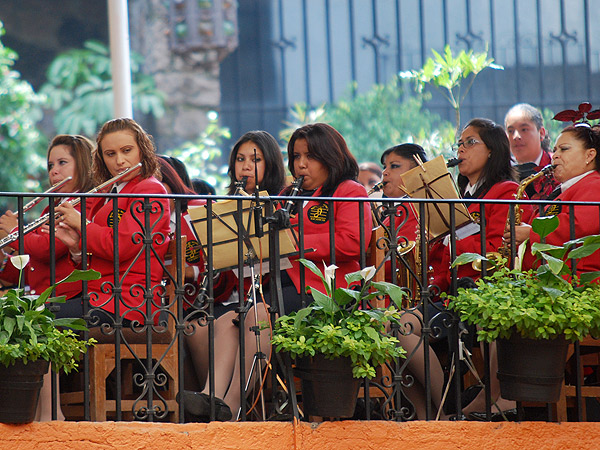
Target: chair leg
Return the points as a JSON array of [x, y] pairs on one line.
[[561, 405]]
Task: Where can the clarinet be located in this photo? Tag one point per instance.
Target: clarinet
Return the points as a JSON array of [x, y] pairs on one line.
[[296, 186], [453, 162], [282, 216], [240, 185]]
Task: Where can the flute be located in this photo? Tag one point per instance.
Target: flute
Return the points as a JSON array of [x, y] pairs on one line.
[[14, 236], [54, 188]]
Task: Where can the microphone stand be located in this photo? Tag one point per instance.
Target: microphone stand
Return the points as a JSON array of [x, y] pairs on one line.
[[279, 220], [259, 356]]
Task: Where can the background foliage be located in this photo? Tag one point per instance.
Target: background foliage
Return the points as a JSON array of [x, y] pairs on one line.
[[380, 118], [79, 89], [202, 156], [22, 147]]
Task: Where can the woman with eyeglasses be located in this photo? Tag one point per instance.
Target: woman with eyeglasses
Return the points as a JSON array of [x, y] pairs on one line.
[[485, 172]]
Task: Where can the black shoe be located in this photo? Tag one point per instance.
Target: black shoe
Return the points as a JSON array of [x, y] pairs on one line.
[[197, 404], [510, 414], [469, 395]]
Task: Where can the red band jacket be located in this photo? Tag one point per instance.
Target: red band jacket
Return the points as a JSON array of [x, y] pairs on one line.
[[131, 253], [495, 217], [37, 245], [347, 235], [405, 212], [587, 220]]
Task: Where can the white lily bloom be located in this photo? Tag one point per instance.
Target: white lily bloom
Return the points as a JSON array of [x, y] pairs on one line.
[[329, 273], [19, 261], [368, 272]]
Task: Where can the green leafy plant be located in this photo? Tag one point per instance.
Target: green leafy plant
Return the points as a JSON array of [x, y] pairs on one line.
[[335, 326], [539, 303], [29, 331], [79, 89], [202, 155], [447, 73], [377, 119], [21, 143]]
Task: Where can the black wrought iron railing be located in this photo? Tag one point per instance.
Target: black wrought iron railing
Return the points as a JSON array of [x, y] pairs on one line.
[[146, 351]]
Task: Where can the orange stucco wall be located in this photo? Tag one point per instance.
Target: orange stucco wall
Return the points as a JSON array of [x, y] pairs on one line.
[[304, 436]]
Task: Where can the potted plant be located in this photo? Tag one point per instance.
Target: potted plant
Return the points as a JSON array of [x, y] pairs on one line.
[[536, 310], [30, 339], [336, 340]]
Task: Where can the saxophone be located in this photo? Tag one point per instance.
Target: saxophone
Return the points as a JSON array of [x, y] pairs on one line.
[[505, 251]]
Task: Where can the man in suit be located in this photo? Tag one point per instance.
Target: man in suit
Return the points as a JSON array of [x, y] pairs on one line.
[[529, 145]]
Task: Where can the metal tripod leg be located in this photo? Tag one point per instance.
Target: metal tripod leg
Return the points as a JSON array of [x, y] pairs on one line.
[[258, 355]]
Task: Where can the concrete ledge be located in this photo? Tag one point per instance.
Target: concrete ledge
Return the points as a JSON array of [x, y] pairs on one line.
[[304, 436]]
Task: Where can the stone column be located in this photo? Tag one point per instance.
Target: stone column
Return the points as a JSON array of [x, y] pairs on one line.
[[190, 81]]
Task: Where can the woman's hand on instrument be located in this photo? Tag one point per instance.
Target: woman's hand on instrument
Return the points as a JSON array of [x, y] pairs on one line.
[[9, 221], [521, 234], [68, 215], [68, 236]]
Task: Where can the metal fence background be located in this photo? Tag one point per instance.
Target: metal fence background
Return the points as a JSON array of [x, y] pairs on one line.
[[311, 50]]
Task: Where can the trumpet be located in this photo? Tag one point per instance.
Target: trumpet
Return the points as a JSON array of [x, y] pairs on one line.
[[14, 236], [504, 251]]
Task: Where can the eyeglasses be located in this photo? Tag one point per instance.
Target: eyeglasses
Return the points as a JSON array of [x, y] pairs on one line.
[[466, 144]]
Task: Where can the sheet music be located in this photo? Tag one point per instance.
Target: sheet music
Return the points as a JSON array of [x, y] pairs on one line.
[[225, 231]]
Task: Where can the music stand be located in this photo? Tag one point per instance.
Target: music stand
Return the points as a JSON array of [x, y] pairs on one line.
[[233, 219], [431, 180]]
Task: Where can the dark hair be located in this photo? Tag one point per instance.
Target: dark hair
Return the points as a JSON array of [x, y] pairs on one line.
[[370, 167], [326, 145], [180, 168], [535, 116], [172, 179], [406, 151], [80, 148], [144, 141], [203, 187], [274, 175], [498, 167], [588, 136]]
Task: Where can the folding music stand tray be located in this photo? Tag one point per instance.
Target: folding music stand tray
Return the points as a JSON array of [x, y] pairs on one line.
[[431, 180], [225, 233]]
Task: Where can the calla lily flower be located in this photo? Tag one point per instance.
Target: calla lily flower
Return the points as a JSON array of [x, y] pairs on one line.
[[19, 261], [329, 273], [368, 272]]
